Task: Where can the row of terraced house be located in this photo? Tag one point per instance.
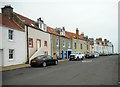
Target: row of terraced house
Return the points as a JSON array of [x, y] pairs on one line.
[[22, 39]]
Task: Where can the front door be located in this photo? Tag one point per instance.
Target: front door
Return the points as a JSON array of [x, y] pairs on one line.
[[62, 54], [38, 43]]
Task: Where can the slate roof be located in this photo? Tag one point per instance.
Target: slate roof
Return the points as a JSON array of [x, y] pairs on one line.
[[5, 21]]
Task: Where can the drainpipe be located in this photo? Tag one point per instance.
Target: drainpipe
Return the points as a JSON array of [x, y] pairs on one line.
[[27, 62], [51, 44], [59, 48], [112, 49]]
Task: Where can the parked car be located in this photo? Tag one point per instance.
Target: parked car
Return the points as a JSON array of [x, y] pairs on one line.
[[87, 55], [91, 55], [95, 54], [77, 56], [43, 60]]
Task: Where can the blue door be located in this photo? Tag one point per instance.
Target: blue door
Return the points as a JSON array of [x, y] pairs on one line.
[[66, 54], [62, 54]]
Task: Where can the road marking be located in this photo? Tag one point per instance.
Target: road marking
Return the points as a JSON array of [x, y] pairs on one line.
[[86, 61]]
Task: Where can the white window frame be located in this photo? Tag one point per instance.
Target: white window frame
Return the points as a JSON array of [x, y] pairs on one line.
[[45, 44], [69, 44], [40, 25], [30, 43], [11, 34], [57, 42], [12, 53], [75, 46], [63, 43]]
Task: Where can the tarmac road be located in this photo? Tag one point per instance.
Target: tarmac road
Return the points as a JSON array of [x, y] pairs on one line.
[[97, 71]]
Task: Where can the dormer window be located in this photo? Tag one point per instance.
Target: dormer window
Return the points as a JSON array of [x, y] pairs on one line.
[[41, 24], [62, 31]]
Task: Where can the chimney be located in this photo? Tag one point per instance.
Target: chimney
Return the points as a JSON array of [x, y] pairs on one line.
[[105, 40], [77, 33], [100, 39], [63, 28], [7, 11]]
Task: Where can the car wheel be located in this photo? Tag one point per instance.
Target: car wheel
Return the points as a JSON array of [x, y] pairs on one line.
[[82, 58], [44, 64], [95, 56], [56, 62], [32, 66]]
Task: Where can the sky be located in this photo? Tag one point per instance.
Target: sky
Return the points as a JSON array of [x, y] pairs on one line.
[[94, 18]]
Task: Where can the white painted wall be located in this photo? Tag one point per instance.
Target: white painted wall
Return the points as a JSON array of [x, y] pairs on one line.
[[1, 57], [18, 44], [43, 36]]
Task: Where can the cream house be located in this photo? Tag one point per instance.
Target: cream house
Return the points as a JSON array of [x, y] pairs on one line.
[[38, 42]]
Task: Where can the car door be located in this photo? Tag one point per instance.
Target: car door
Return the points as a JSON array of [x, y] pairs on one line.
[[50, 60]]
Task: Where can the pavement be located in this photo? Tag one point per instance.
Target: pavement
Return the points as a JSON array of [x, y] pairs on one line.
[[12, 67]]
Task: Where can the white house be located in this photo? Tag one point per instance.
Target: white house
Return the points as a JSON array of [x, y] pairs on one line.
[[12, 37], [110, 48], [33, 40]]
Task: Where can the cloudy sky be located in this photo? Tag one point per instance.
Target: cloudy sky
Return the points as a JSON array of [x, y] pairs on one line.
[[96, 18]]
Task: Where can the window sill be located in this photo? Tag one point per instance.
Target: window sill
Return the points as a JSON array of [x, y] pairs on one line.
[[11, 60], [10, 40]]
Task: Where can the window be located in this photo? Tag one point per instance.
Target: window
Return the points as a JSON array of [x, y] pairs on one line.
[[81, 46], [10, 34], [63, 42], [45, 43], [11, 53], [44, 26], [45, 52], [49, 57], [57, 42], [75, 45], [31, 42], [68, 43], [87, 47], [40, 25]]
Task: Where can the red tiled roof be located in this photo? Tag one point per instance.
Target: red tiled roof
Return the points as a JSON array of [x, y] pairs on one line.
[[70, 34], [52, 31], [9, 23], [67, 36], [73, 35], [28, 21], [81, 37]]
